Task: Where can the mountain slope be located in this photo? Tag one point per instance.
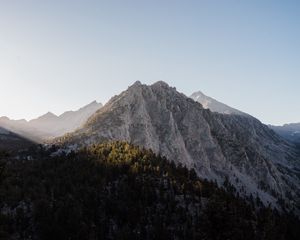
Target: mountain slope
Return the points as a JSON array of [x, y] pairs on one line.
[[214, 105], [118, 191], [49, 125], [217, 146], [290, 131], [10, 141]]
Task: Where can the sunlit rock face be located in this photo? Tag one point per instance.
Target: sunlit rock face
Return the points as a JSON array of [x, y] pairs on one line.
[[219, 146], [214, 105]]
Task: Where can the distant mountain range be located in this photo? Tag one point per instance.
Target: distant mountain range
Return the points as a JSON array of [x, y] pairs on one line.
[[232, 146], [290, 131], [49, 125]]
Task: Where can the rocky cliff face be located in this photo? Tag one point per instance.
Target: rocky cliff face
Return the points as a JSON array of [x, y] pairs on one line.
[[238, 148]]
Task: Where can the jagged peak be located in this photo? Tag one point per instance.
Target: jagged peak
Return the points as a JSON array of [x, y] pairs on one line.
[[137, 83], [139, 90], [161, 84], [50, 114], [158, 84], [198, 93], [93, 103]]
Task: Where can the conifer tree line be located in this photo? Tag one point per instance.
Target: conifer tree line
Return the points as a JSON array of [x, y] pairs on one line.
[[116, 190]]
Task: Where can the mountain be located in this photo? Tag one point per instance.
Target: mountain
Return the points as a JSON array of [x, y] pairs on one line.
[[10, 141], [219, 147], [290, 131], [49, 125], [214, 105]]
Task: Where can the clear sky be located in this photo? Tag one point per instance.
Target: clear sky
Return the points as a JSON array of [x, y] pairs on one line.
[[60, 55]]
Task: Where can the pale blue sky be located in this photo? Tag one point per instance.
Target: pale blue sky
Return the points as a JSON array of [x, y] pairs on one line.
[[59, 55]]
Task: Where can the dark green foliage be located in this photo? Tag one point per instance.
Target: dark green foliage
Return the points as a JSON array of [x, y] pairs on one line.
[[118, 191]]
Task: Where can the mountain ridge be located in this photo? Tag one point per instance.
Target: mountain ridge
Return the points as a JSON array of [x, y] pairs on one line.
[[214, 105], [218, 146], [290, 131], [50, 125]]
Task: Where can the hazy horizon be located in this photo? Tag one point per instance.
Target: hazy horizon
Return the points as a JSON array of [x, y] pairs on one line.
[[58, 56]]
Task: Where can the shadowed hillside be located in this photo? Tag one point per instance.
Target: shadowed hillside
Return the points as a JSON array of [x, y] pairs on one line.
[[118, 191], [10, 141]]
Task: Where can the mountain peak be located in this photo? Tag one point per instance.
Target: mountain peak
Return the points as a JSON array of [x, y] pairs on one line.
[[161, 84], [137, 83], [196, 94], [49, 115], [140, 90], [158, 84], [214, 105], [93, 103]]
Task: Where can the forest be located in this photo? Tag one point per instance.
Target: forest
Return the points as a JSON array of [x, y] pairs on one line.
[[116, 190]]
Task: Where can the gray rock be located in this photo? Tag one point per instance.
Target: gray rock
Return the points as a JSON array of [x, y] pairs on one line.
[[218, 146]]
